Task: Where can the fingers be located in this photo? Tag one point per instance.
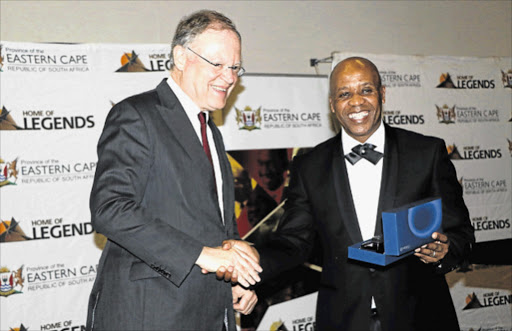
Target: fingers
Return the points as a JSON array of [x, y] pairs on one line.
[[247, 270], [221, 272], [247, 248], [234, 277], [228, 244], [235, 261], [244, 300], [440, 237], [246, 262], [434, 251], [250, 258]]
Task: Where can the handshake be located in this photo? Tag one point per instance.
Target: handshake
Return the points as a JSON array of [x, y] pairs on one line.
[[235, 261]]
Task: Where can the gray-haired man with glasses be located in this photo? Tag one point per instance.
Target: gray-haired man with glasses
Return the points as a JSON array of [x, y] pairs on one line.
[[163, 195]]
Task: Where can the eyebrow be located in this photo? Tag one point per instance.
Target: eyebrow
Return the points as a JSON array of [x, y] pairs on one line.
[[362, 84]]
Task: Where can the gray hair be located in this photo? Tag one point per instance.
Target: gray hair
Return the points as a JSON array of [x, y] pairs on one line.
[[191, 26]]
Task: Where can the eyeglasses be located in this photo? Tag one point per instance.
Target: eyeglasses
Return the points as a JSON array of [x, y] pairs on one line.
[[237, 69]]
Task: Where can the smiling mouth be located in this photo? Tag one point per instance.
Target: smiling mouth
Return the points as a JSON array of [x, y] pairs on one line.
[[358, 116], [220, 89]]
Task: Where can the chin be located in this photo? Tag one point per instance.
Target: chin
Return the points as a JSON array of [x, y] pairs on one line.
[[217, 106]]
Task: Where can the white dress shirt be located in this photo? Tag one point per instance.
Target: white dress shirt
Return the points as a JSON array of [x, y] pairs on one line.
[[365, 178]]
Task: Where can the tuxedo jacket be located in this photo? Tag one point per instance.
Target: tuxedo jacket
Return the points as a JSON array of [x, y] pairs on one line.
[[409, 294], [154, 198]]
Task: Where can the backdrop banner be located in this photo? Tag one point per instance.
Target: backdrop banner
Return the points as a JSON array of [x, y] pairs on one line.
[[54, 100]]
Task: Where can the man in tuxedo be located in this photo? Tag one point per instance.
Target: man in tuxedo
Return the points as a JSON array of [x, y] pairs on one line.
[[163, 196], [342, 199]]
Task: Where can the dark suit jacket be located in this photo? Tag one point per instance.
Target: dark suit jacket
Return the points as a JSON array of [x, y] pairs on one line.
[[154, 199], [409, 294]]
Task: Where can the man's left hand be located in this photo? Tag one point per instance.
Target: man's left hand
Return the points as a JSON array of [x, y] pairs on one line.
[[244, 300], [435, 251]]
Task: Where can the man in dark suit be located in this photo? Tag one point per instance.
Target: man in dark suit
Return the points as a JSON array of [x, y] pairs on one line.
[[163, 195], [343, 203]]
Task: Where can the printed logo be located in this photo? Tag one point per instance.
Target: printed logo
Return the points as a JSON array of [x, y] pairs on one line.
[[11, 231], [131, 62], [483, 223], [6, 121], [42, 60], [506, 78], [490, 299], [43, 229], [9, 172], [11, 282], [306, 324], [275, 118], [509, 146], [392, 78], [21, 328], [45, 119], [473, 153], [278, 326], [464, 82], [248, 118], [453, 152], [473, 186], [47, 277], [447, 115], [67, 325], [44, 171], [395, 117]]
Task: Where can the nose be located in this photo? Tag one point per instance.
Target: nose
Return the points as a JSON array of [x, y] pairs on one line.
[[356, 100], [229, 75]]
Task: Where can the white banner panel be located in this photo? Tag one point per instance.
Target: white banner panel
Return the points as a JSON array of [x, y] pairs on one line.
[[54, 99]]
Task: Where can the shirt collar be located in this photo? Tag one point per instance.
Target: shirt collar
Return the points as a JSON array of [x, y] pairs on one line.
[[191, 109], [377, 139]]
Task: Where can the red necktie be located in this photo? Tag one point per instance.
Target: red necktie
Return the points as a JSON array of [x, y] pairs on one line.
[[206, 146]]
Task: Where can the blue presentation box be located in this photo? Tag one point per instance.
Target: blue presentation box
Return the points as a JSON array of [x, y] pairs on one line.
[[404, 229]]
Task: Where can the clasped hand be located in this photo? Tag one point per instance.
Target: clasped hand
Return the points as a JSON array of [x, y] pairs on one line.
[[236, 256]]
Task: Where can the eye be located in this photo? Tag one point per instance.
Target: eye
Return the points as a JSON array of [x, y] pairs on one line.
[[367, 90], [217, 65], [344, 95], [235, 67]]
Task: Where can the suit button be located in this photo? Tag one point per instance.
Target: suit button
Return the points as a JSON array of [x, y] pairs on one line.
[[372, 270]]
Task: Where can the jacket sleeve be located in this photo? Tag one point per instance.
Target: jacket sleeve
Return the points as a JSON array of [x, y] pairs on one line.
[[292, 242], [456, 223]]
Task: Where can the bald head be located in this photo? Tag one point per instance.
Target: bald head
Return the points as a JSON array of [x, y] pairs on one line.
[[356, 97], [353, 64]]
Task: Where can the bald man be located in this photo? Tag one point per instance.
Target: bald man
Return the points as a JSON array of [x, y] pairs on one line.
[[342, 198]]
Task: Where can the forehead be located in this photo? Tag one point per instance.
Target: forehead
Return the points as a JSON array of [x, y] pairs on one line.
[[353, 72], [223, 38]]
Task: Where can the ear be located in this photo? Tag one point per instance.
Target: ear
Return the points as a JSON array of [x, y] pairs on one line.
[[331, 105], [180, 57], [383, 94]]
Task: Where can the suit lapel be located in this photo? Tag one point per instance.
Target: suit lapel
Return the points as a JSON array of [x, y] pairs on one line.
[[175, 117], [227, 175], [177, 120], [390, 173], [343, 192]]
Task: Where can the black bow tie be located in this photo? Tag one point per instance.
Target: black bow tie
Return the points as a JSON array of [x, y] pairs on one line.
[[365, 151]]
